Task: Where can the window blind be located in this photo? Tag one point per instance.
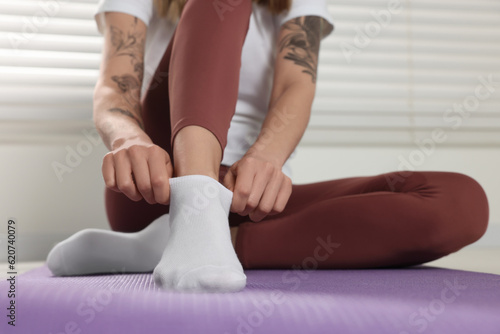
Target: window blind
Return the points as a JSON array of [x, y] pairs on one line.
[[392, 72], [49, 59]]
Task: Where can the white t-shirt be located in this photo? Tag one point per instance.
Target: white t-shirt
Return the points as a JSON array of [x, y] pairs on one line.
[[256, 73]]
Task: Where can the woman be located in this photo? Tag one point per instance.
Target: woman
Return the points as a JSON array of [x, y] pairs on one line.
[[207, 139]]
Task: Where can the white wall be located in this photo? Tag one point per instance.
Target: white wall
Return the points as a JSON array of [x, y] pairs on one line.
[[47, 210]]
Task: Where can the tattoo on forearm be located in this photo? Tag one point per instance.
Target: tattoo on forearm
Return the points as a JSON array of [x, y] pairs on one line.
[[301, 43], [126, 82], [129, 114], [129, 44], [130, 88], [139, 69]]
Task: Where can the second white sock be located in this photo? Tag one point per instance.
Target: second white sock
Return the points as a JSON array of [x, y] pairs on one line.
[[93, 251], [199, 255]]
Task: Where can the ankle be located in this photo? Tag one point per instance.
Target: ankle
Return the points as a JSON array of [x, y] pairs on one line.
[[213, 174], [196, 151]]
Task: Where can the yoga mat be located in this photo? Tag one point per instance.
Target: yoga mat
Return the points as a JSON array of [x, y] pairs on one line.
[[418, 299]]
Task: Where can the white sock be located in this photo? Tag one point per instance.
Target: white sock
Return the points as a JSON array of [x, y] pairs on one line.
[[199, 255], [93, 251]]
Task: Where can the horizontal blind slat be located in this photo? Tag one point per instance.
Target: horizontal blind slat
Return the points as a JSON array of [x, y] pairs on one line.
[[43, 42], [47, 76], [419, 61], [38, 10], [28, 58], [22, 28], [376, 104], [443, 5], [41, 95]]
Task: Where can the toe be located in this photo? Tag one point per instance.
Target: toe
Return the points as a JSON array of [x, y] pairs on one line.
[[55, 262], [213, 279]]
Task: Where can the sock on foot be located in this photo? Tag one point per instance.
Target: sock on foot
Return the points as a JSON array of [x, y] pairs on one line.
[[93, 251], [199, 255]]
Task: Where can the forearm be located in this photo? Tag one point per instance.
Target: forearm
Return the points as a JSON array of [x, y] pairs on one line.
[[293, 90], [284, 124], [114, 121], [117, 107]]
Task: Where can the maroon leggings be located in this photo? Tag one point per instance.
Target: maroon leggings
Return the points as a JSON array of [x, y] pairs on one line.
[[386, 220]]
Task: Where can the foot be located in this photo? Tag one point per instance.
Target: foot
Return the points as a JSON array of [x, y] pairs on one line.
[[93, 251], [199, 255]]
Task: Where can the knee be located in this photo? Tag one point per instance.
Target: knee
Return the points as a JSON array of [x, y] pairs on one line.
[[460, 214]]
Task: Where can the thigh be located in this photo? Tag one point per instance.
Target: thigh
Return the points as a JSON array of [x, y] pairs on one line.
[[304, 195]]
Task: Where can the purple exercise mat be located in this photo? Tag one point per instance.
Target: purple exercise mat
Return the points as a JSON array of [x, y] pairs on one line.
[[411, 300]]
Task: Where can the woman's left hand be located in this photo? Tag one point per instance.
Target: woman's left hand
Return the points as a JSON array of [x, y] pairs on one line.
[[259, 187]]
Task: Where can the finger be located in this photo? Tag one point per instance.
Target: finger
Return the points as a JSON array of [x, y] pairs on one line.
[[266, 204], [259, 185], [282, 198], [140, 171], [108, 172], [242, 188], [123, 172], [170, 167], [229, 180], [159, 162]]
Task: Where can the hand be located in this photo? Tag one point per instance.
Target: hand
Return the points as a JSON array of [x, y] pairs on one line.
[[139, 169], [259, 187]]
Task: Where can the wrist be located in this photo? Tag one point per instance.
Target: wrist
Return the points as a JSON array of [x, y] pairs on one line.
[[116, 132], [259, 152], [129, 139]]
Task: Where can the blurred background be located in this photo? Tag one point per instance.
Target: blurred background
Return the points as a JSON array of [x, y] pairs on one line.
[[401, 85]]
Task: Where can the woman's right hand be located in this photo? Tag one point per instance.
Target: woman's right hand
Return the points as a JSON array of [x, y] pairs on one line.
[[139, 169]]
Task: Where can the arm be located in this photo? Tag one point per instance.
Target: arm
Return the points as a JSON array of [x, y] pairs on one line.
[[260, 187], [293, 91], [117, 111], [135, 166]]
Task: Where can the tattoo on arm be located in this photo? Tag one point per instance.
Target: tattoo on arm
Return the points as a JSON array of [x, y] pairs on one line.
[[126, 82], [130, 87], [129, 44], [129, 114], [301, 43]]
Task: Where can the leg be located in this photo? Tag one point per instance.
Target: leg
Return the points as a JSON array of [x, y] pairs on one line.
[[197, 152], [204, 84], [146, 226], [203, 87], [213, 82], [363, 222], [94, 251]]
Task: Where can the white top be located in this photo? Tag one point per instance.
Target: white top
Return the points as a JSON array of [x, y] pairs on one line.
[[258, 58]]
